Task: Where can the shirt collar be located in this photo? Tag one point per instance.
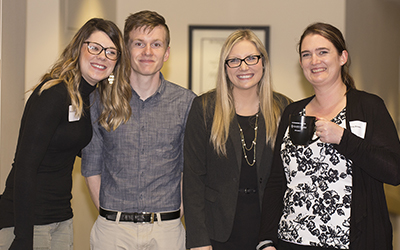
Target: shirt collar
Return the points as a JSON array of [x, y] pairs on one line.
[[85, 88], [158, 93]]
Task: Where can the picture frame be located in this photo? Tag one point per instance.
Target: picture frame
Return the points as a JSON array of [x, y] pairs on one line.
[[205, 43]]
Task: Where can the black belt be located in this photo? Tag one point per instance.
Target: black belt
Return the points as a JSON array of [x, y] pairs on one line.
[[139, 217]]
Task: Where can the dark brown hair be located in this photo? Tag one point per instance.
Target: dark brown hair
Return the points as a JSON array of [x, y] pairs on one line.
[[332, 34]]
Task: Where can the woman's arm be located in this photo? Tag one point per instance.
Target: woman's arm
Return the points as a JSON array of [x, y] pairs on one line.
[[378, 154], [41, 118]]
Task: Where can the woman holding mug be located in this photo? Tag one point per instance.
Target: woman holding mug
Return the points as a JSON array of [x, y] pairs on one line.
[[35, 208], [332, 189]]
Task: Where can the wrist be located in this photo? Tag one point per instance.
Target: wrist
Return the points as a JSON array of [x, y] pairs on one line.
[[264, 244]]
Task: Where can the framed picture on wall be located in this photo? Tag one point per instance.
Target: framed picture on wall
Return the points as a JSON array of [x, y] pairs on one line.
[[205, 43]]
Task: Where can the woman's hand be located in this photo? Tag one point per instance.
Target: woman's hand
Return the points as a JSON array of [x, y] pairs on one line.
[[202, 248], [327, 131]]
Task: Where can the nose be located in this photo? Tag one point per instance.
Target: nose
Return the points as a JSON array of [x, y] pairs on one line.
[[314, 59], [147, 50], [102, 55], [244, 66]]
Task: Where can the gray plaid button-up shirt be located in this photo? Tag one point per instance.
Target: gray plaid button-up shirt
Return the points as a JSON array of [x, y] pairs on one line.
[[141, 162]]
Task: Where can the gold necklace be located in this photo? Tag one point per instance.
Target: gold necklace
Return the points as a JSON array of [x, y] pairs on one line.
[[253, 143]]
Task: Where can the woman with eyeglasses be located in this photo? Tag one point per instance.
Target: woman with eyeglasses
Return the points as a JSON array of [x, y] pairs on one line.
[[228, 145], [35, 208]]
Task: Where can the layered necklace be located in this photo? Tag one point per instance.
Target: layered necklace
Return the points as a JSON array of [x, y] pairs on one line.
[[253, 143]]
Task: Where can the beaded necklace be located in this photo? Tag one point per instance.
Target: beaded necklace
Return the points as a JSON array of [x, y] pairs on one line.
[[253, 144]]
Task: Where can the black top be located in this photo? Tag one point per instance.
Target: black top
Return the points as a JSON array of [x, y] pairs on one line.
[[38, 188], [248, 174], [246, 224]]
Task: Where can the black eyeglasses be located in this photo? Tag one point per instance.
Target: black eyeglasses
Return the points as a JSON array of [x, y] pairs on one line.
[[95, 49], [249, 60]]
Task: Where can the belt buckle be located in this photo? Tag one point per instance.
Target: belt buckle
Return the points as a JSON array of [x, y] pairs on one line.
[[141, 217], [151, 218]]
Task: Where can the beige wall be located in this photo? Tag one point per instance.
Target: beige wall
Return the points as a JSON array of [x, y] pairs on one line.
[[365, 30], [13, 15], [373, 36], [287, 19]]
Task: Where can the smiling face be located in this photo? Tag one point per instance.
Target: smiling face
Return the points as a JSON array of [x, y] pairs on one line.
[[95, 68], [320, 60], [244, 77], [148, 50]]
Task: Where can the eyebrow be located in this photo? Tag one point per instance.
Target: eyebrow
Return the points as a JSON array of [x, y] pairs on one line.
[[237, 57], [318, 49], [111, 47], [143, 40]]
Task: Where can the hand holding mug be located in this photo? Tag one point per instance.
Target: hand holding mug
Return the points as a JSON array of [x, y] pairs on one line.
[[328, 132]]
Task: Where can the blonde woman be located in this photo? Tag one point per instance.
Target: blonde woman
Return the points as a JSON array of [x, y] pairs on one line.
[[35, 206], [229, 139]]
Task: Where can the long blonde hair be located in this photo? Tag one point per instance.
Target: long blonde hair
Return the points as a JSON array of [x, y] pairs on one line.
[[114, 98], [224, 104]]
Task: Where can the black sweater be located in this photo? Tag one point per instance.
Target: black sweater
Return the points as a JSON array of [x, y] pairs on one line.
[[38, 188], [376, 160]]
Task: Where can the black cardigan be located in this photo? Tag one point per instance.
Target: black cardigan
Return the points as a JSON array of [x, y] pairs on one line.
[[376, 160]]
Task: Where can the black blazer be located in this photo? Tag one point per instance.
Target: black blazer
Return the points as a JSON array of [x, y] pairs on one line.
[[211, 182]]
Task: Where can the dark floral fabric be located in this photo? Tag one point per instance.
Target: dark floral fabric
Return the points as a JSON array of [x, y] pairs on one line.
[[317, 201]]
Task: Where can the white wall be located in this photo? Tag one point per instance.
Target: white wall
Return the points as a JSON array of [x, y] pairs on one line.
[[50, 24], [42, 39], [373, 37], [287, 20], [13, 15], [370, 27]]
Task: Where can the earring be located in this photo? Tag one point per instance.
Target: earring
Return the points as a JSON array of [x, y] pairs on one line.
[[111, 79]]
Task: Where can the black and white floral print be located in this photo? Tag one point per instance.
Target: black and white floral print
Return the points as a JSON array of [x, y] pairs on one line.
[[317, 201]]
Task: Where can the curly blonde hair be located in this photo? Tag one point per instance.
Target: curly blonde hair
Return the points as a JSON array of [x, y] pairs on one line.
[[113, 97]]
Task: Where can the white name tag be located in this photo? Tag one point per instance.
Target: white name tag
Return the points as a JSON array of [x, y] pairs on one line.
[[358, 128], [72, 115]]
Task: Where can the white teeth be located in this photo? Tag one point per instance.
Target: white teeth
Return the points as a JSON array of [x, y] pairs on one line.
[[317, 70], [245, 77], [98, 66]]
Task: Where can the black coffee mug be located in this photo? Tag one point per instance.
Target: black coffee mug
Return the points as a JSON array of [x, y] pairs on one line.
[[302, 129]]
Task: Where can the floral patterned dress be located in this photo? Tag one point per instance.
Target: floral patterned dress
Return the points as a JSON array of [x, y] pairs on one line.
[[317, 202]]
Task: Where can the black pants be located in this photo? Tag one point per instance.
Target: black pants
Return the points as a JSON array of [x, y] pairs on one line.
[[246, 225]]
